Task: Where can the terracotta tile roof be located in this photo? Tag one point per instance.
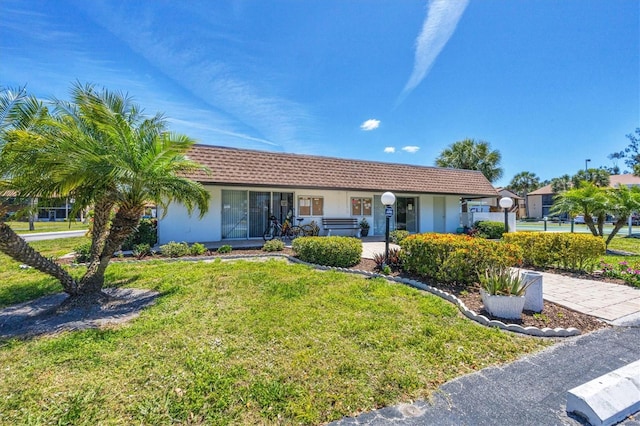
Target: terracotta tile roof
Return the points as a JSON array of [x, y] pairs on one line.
[[542, 191], [231, 166]]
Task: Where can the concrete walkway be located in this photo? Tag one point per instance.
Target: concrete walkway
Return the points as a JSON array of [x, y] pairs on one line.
[[619, 304]]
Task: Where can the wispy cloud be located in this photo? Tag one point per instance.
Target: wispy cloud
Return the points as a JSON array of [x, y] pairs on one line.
[[390, 149], [411, 149], [440, 23], [370, 124]]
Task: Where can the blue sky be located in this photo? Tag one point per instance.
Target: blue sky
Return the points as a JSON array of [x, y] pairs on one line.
[[548, 83]]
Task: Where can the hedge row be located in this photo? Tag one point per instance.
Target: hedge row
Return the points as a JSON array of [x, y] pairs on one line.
[[329, 251], [579, 252], [449, 258]]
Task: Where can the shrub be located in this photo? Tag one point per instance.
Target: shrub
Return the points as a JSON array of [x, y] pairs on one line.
[[489, 229], [273, 245], [451, 258], [394, 259], [197, 249], [629, 272], [146, 233], [173, 249], [141, 250], [329, 251], [578, 252], [398, 235], [224, 249], [83, 252]]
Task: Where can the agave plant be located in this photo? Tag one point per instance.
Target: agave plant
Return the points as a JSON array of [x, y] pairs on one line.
[[501, 281]]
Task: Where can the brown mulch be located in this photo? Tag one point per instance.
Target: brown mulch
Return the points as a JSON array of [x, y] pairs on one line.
[[552, 315]]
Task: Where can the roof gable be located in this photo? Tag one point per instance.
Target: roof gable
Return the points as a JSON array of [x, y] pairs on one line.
[[232, 166]]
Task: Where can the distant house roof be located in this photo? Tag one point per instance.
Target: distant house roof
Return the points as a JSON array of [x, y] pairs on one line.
[[614, 180], [505, 192], [232, 166]]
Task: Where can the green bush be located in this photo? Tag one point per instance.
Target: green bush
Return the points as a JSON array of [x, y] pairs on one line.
[[577, 252], [224, 249], [489, 229], [273, 245], [173, 249], [329, 251], [398, 235], [83, 251], [458, 259], [197, 249], [141, 250], [147, 233]]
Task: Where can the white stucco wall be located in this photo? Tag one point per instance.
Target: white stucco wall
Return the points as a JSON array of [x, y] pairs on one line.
[[177, 225]]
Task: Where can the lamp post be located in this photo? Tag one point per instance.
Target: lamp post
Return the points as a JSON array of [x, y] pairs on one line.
[[586, 168], [388, 199], [506, 203]]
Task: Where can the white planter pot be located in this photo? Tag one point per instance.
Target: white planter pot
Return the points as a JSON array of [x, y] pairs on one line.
[[509, 307]]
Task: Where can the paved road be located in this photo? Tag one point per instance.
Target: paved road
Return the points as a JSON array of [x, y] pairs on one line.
[[530, 391], [52, 235]]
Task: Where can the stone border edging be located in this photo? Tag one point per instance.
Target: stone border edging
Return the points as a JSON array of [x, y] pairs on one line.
[[472, 315]]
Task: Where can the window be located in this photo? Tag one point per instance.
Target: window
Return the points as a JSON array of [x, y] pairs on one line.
[[360, 206], [310, 206]]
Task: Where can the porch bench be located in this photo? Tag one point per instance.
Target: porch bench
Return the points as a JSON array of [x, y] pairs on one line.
[[329, 223]]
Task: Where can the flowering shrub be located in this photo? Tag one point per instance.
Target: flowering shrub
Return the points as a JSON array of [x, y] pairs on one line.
[[451, 258], [630, 273], [561, 250]]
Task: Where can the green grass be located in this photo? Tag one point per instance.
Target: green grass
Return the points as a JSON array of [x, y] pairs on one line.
[[23, 227], [247, 343], [19, 285]]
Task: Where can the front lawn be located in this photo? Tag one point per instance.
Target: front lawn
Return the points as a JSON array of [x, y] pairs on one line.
[[246, 342], [23, 227]]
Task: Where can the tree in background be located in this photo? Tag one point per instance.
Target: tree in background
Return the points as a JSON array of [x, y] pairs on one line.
[[599, 177], [523, 183], [100, 150], [631, 153], [561, 184], [470, 154]]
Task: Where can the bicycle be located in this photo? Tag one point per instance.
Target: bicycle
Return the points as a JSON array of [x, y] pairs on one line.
[[284, 230]]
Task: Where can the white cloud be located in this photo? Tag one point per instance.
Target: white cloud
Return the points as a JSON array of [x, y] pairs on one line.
[[370, 124], [390, 149], [411, 149], [442, 19]]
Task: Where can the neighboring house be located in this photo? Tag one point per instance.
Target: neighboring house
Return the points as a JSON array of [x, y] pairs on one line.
[[490, 204], [248, 186], [541, 200]]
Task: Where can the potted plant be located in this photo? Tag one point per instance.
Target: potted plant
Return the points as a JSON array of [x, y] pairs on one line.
[[502, 292], [364, 227]]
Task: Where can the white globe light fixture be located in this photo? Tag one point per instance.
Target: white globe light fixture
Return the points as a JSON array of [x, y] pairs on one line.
[[388, 199], [506, 203]]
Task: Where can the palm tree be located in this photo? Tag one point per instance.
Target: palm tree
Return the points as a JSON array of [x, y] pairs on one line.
[[470, 154], [623, 201], [100, 150], [523, 183], [21, 112], [560, 184], [599, 177], [588, 200]]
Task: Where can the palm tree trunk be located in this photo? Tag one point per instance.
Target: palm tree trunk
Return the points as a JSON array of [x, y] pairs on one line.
[[123, 224], [616, 227], [17, 248]]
